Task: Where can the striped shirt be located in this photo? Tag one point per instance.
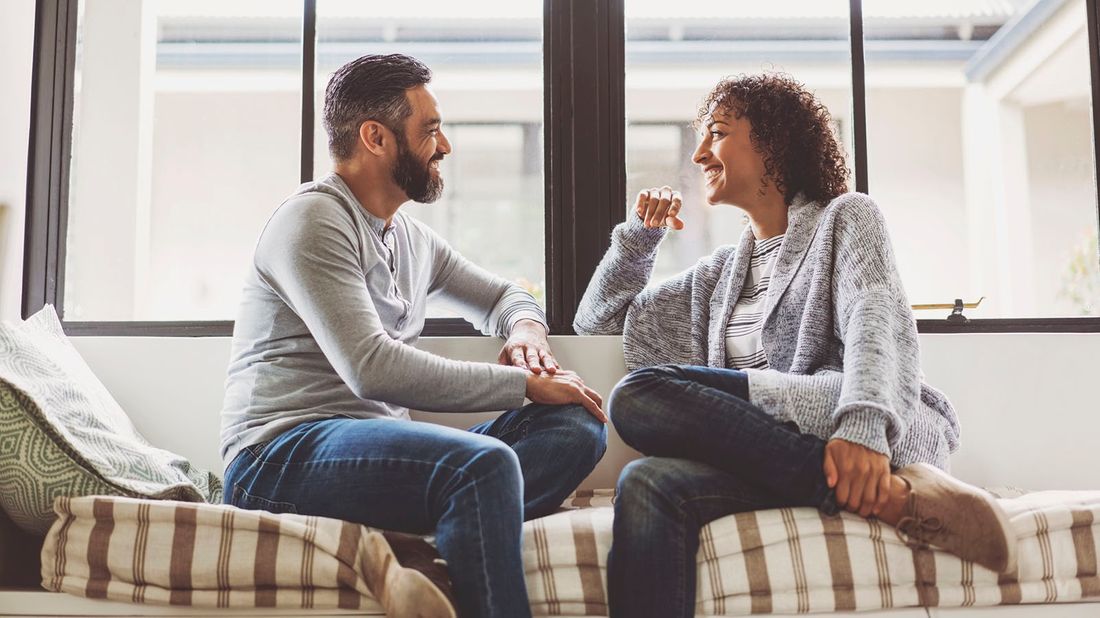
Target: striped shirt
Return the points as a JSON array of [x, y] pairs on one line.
[[744, 348]]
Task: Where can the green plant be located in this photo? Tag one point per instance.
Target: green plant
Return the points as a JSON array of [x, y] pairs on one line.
[[1081, 279]]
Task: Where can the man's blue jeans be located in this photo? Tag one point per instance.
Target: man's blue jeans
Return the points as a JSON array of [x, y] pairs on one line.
[[472, 489], [711, 454]]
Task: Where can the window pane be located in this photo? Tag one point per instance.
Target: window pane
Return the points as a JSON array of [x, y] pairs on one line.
[[486, 60], [185, 138], [981, 155], [675, 54]]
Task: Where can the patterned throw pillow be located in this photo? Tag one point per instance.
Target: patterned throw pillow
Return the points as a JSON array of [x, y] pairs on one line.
[[61, 433]]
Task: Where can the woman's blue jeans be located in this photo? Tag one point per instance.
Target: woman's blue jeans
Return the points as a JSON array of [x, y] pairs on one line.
[[472, 489], [710, 453]]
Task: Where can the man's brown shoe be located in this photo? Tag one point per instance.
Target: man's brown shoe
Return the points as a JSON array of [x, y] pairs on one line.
[[945, 512], [414, 552], [402, 591]]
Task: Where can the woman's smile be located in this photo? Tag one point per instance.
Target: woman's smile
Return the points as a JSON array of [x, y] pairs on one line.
[[711, 173]]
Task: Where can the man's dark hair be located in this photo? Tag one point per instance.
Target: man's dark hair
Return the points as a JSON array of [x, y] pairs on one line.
[[370, 88]]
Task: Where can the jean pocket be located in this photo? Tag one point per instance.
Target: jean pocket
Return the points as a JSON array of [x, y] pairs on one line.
[[243, 499], [256, 449]]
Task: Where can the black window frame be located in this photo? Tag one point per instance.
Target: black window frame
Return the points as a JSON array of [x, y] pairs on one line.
[[584, 162]]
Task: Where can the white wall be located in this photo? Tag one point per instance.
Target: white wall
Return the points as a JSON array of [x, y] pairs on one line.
[[918, 183], [16, 45], [1027, 403]]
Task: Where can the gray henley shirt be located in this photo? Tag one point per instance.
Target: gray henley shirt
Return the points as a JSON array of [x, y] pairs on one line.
[[332, 306]]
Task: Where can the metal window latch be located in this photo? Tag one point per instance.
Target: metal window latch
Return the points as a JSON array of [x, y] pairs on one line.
[[957, 312], [956, 308]]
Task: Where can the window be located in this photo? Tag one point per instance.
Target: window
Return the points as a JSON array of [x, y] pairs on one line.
[[184, 139], [164, 134], [980, 152]]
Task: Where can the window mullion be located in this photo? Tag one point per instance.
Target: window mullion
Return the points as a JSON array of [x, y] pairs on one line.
[[309, 70], [1092, 7], [584, 145], [859, 94], [48, 154]]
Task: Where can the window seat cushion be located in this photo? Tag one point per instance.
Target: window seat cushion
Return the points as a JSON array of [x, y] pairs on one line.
[[792, 560]]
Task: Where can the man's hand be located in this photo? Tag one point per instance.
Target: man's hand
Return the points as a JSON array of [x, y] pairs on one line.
[[565, 387], [860, 476], [527, 347], [659, 207]]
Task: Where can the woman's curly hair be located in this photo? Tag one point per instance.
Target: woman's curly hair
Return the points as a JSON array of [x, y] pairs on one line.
[[790, 129]]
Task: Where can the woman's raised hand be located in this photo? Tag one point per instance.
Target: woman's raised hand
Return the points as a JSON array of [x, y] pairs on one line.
[[659, 207]]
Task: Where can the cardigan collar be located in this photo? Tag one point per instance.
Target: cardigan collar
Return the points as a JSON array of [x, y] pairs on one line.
[[728, 290], [803, 216], [802, 219]]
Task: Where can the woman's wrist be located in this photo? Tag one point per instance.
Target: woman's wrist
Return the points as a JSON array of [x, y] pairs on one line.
[[634, 234]]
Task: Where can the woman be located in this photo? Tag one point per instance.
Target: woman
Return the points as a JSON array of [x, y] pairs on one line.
[[781, 371]]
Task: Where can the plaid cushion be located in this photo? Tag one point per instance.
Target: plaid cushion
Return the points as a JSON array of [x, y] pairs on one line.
[[776, 561]]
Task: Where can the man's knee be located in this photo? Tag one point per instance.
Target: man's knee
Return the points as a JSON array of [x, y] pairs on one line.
[[493, 456], [573, 430], [486, 459], [584, 427]]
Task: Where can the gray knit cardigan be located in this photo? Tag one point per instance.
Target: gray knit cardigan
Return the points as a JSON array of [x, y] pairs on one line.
[[841, 341]]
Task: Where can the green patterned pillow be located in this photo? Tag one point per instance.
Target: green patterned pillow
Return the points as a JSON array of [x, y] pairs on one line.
[[61, 433]]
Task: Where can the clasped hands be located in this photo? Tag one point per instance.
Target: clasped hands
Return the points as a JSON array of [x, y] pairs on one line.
[[528, 348], [860, 477]]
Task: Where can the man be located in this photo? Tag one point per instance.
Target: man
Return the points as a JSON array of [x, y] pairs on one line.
[[323, 370]]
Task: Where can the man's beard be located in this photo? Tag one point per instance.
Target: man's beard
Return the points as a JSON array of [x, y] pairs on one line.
[[415, 178]]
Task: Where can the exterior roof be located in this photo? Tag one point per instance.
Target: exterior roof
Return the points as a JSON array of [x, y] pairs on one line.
[[981, 10]]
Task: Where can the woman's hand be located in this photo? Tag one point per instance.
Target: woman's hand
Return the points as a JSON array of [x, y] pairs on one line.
[[860, 477], [659, 207], [564, 387]]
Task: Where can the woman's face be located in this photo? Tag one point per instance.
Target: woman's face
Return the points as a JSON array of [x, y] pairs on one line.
[[733, 171]]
